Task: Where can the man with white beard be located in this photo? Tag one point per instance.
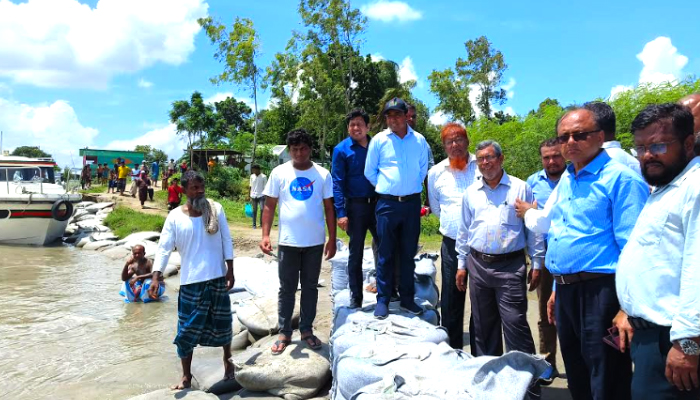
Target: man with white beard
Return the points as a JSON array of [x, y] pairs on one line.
[[200, 233]]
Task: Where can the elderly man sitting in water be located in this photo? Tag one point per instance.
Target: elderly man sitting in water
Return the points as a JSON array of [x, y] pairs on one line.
[[137, 275]]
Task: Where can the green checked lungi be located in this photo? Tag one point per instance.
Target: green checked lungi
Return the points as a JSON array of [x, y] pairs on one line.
[[204, 316]]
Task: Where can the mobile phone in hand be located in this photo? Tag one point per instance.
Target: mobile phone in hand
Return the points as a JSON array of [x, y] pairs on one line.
[[613, 338]]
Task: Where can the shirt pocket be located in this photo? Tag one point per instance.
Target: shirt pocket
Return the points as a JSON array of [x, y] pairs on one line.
[[508, 215], [649, 230]]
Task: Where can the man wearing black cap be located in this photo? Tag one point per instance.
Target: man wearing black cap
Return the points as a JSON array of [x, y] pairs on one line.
[[397, 164]]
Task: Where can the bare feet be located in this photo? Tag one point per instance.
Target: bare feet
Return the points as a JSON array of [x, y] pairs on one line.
[[185, 383], [229, 372]]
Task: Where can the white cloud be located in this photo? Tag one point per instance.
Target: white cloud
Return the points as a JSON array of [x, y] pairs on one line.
[[145, 84], [617, 90], [377, 57], [662, 62], [407, 72], [53, 127], [438, 118], [63, 43], [474, 93], [508, 87], [509, 111], [164, 138], [390, 11]]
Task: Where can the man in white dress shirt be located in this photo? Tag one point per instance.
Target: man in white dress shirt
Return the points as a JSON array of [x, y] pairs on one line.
[[200, 233], [658, 274], [447, 182]]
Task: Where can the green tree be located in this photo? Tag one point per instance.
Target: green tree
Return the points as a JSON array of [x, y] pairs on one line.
[[482, 71], [30, 151], [238, 49], [232, 117], [151, 153], [192, 118]]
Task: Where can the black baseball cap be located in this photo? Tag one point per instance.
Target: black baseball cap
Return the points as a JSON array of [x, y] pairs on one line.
[[395, 104]]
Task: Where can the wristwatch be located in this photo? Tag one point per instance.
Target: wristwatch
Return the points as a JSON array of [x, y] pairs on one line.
[[689, 347]]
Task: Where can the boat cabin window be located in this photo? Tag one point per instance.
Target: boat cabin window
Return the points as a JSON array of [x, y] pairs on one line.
[[43, 174]]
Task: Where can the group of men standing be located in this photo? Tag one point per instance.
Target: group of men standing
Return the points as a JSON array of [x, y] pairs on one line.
[[612, 242]]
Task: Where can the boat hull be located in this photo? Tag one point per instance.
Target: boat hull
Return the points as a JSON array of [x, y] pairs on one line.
[[29, 221]]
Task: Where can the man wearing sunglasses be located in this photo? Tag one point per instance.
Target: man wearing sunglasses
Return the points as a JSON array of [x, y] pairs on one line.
[[597, 205], [659, 268]]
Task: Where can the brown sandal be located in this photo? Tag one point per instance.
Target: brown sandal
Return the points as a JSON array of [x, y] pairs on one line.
[[312, 341]]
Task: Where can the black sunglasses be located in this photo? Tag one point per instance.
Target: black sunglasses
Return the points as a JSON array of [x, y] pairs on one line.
[[577, 136]]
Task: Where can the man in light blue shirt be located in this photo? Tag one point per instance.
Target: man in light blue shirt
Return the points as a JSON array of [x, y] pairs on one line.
[[490, 244], [397, 164], [658, 276], [597, 204], [542, 183]]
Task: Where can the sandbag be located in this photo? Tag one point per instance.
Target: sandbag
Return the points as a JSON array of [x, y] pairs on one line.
[[171, 270], [427, 289], [208, 375], [298, 373], [259, 315], [395, 329], [84, 217], [117, 253], [88, 225], [175, 259], [94, 208], [240, 340], [438, 370], [339, 269], [96, 245], [429, 315], [82, 242], [247, 394], [97, 236], [139, 236], [167, 394], [425, 265], [84, 204], [256, 276]]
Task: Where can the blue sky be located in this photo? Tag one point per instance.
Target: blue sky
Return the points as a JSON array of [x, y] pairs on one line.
[[104, 73]]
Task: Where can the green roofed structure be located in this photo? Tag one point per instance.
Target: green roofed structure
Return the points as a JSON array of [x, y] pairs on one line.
[[93, 157]]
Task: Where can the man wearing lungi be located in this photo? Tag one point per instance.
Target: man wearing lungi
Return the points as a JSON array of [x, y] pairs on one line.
[[200, 233]]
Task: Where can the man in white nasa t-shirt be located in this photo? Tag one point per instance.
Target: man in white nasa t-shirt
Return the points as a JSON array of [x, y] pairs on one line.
[[304, 191]]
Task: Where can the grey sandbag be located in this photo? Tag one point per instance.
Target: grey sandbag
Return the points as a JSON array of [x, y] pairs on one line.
[[297, 374], [425, 266], [259, 315], [436, 370], [167, 394], [429, 314], [396, 329], [339, 269], [240, 340], [427, 290], [208, 373]]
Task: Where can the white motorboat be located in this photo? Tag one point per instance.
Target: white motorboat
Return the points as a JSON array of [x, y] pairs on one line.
[[34, 208]]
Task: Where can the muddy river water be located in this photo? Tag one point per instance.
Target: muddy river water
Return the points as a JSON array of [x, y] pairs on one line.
[[66, 333]]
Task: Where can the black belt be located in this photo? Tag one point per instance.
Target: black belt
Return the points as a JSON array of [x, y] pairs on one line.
[[641, 323], [400, 199], [578, 277], [365, 200], [492, 258]]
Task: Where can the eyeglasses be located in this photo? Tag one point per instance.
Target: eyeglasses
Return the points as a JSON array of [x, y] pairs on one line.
[[454, 141], [577, 136], [654, 148], [481, 160]]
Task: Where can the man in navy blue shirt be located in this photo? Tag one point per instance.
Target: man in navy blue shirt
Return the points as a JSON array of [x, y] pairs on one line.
[[354, 196]]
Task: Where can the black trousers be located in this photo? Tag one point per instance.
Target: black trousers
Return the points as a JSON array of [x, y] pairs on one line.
[[649, 350], [295, 264], [361, 218], [452, 300], [584, 312]]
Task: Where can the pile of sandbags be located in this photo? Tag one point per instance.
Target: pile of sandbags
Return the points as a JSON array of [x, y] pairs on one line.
[[297, 374], [259, 315], [429, 370]]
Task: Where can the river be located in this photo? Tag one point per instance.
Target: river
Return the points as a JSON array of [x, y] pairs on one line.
[[65, 333]]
